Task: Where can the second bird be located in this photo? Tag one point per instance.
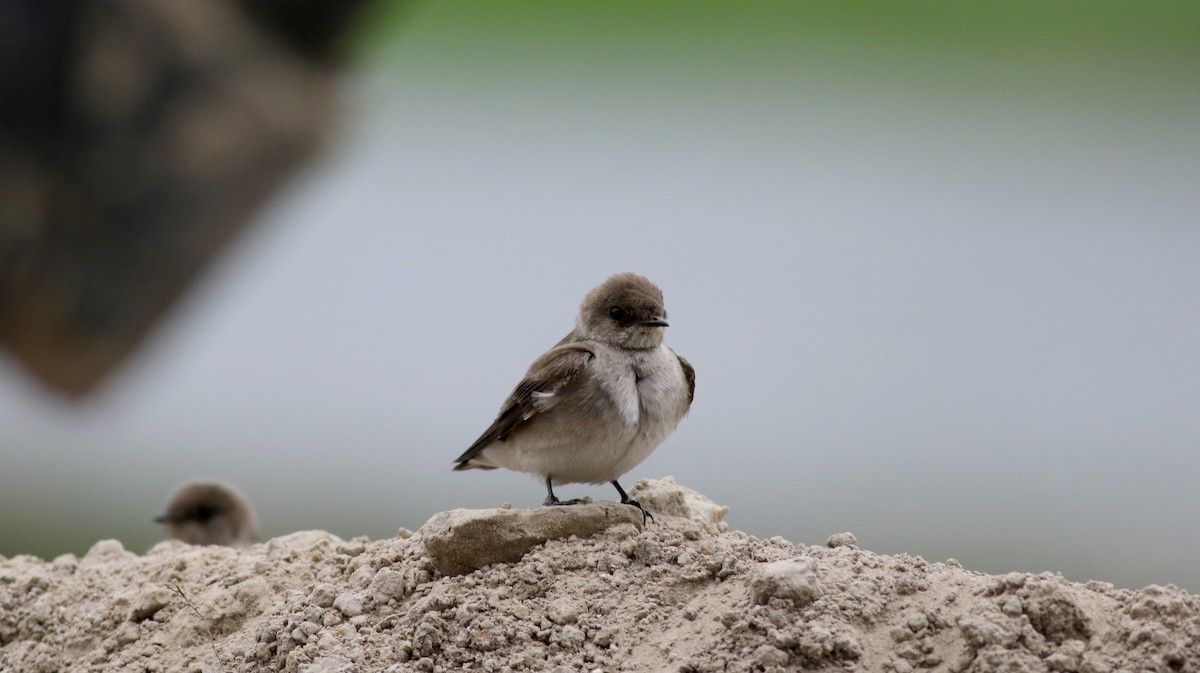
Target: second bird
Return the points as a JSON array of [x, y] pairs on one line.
[[209, 512], [598, 403]]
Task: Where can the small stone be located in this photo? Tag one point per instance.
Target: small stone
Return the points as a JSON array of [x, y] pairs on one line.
[[572, 637], [563, 612], [846, 539], [648, 552], [353, 548], [349, 603], [769, 656], [793, 579], [388, 584], [148, 603], [323, 595], [916, 622], [105, 549], [1011, 606], [64, 563]]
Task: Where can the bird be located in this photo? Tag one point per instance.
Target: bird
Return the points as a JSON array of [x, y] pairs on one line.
[[210, 513], [597, 403]]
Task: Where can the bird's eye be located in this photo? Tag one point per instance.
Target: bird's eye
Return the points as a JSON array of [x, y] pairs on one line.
[[617, 313], [205, 512]]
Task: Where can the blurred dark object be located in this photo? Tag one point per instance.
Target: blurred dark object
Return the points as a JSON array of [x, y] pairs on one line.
[[136, 139], [312, 28]]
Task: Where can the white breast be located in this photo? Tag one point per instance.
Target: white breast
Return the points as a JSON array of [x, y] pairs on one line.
[[651, 397]]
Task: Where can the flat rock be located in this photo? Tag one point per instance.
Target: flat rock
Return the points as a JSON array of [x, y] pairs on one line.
[[462, 540]]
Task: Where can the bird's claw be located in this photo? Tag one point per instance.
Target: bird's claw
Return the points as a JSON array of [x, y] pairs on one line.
[[646, 515], [551, 501]]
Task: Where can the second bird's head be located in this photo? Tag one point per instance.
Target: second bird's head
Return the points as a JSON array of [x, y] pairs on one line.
[[203, 512]]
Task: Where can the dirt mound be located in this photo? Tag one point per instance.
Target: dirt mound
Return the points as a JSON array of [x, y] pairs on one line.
[[684, 594]]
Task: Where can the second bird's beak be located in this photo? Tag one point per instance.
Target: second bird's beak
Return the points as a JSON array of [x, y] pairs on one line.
[[655, 322], [165, 517]]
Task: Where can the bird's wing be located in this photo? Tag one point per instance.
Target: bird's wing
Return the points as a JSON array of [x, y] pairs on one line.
[[533, 395], [689, 373]]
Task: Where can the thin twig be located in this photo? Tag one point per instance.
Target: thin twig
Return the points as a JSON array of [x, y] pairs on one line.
[[212, 640]]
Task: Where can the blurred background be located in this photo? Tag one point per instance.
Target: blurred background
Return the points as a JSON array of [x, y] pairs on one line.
[[935, 264]]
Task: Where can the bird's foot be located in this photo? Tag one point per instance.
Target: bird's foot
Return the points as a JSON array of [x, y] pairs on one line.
[[551, 501], [646, 515], [626, 500]]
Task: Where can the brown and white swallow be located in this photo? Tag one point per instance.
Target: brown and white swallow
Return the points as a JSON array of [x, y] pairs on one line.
[[599, 402]]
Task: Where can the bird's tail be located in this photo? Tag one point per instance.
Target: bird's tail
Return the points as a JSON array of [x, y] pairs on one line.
[[472, 465]]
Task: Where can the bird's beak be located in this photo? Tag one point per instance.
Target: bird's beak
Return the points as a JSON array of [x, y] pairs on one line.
[[164, 517], [655, 322]]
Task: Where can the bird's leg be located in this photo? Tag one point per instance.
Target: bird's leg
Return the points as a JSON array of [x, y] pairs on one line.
[[552, 499], [626, 500]]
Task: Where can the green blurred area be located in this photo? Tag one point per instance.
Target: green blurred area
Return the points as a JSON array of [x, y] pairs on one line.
[[1038, 70], [879, 40]]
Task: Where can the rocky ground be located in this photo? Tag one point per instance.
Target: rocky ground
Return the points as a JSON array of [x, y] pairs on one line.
[[585, 588]]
